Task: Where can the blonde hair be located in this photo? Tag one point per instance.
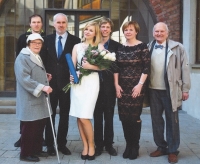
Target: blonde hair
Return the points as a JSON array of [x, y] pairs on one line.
[[97, 37]]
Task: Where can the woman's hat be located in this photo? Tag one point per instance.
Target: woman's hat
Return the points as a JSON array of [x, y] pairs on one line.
[[34, 37]]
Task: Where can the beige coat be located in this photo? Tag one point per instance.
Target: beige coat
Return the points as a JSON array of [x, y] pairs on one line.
[[178, 72]]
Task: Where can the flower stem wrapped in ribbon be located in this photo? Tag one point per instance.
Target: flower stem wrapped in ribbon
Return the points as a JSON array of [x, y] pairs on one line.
[[103, 59]]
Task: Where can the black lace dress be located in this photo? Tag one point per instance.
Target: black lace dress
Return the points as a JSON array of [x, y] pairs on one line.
[[132, 62]]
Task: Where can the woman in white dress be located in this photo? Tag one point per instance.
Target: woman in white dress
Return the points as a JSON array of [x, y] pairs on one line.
[[84, 95]]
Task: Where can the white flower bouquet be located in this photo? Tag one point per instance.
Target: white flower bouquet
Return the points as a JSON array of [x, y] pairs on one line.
[[103, 59]]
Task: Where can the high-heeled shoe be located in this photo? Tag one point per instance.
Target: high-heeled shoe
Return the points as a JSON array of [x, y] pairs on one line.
[[91, 157], [84, 157]]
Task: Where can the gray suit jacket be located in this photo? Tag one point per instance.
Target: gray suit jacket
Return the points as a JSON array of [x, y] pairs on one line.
[[31, 77]]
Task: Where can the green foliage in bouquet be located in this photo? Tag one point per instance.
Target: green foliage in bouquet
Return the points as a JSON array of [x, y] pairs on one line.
[[103, 59]]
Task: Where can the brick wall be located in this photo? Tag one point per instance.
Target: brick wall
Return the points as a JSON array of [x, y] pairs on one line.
[[169, 11]]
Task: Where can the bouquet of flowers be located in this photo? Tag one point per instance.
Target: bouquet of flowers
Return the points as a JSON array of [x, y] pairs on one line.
[[103, 59]]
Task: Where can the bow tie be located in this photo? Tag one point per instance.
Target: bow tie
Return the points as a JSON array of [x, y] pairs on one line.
[[158, 46]]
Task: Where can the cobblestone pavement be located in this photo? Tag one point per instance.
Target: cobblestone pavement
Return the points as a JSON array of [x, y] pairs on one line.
[[189, 146]]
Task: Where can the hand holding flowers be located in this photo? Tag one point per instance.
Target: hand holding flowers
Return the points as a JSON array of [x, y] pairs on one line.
[[93, 56]]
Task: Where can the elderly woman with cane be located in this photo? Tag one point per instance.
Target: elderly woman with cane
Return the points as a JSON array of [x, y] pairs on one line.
[[31, 105]]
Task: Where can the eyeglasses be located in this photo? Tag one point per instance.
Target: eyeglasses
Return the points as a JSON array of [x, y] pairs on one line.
[[37, 43]]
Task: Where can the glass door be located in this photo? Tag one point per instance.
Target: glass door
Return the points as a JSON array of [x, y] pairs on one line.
[[76, 19]]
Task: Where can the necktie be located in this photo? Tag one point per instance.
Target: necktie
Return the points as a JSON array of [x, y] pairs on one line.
[[59, 47], [158, 46]]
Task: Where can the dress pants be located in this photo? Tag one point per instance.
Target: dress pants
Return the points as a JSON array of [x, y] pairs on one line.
[[104, 110], [159, 102], [32, 136], [58, 97]]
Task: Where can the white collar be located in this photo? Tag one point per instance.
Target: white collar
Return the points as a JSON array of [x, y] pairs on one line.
[[63, 35]]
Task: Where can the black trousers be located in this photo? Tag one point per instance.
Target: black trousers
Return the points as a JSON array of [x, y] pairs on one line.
[[58, 97], [104, 110]]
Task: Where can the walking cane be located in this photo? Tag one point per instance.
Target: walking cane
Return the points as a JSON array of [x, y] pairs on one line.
[[55, 142]]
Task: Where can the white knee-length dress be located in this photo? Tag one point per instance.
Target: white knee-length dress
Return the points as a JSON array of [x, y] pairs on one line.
[[84, 96]]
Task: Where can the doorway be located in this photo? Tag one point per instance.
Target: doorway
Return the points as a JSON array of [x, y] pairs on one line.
[[76, 19]]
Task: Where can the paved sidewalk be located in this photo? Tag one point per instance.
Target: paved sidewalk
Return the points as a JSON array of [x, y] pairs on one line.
[[189, 146]]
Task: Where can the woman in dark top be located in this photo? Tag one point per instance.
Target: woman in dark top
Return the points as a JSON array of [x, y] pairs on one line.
[[133, 60]]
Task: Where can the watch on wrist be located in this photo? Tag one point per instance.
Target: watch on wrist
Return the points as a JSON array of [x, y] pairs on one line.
[[141, 82]]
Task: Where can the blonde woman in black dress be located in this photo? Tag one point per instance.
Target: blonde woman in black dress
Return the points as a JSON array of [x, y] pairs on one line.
[[133, 60]]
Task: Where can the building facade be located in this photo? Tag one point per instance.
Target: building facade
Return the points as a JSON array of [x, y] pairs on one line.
[[180, 15]]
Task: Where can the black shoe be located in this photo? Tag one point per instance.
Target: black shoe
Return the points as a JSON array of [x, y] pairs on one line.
[[111, 151], [84, 157], [51, 151], [91, 157], [98, 151], [64, 150], [18, 143], [30, 158], [127, 151], [134, 153], [42, 154]]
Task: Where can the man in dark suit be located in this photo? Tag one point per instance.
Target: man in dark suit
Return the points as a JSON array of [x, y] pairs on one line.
[[106, 99], [35, 22], [56, 46]]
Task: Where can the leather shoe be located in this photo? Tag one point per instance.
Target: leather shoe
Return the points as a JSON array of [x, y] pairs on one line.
[[127, 151], [98, 151], [64, 150], [30, 158], [157, 153], [133, 154], [42, 154], [111, 151], [84, 157], [51, 151], [172, 158], [91, 157], [17, 143]]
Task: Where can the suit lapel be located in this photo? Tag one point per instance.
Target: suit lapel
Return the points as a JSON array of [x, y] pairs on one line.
[[34, 60], [52, 43], [67, 46]]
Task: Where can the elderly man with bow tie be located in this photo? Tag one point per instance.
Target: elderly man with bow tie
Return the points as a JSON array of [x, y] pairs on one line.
[[169, 85]]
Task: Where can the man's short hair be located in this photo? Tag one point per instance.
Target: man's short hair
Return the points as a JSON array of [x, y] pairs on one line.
[[35, 15], [164, 24], [55, 16]]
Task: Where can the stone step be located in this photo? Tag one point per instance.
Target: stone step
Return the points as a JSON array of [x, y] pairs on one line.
[[7, 109], [7, 101]]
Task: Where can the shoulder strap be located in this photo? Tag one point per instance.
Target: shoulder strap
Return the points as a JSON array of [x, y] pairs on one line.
[[166, 55], [152, 46]]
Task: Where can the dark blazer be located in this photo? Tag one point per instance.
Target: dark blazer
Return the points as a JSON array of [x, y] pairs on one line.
[[108, 79], [58, 68]]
